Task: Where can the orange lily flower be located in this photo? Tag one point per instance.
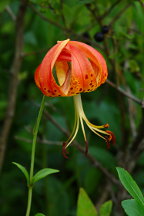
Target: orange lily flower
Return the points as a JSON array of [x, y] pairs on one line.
[[69, 68]]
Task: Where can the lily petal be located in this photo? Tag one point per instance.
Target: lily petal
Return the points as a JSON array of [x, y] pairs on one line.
[[46, 78], [83, 77], [94, 56]]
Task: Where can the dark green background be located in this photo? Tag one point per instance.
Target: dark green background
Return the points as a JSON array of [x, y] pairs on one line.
[[45, 23]]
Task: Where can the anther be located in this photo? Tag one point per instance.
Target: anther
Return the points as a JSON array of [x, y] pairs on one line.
[[111, 137], [86, 147], [106, 125], [64, 150]]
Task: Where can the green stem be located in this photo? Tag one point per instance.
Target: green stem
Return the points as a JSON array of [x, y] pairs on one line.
[[35, 132], [29, 201]]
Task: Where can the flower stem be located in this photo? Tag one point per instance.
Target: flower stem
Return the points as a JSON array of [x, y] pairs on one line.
[[29, 201], [35, 132]]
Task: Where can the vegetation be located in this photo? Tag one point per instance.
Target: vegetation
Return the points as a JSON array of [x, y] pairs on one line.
[[86, 184]]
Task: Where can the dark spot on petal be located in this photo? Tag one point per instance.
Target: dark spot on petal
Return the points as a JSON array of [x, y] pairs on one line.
[[86, 76]]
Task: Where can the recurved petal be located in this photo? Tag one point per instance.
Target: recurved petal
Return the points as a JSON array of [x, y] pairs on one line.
[[45, 73], [61, 45], [64, 55], [83, 76], [47, 81], [94, 56], [98, 74]]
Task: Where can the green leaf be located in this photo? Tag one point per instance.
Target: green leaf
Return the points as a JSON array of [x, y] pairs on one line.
[[85, 206], [23, 169], [43, 173], [133, 208], [105, 209], [39, 214], [130, 185]]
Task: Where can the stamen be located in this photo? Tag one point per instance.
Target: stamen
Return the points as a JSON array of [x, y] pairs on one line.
[[73, 134], [99, 127], [96, 127], [107, 144], [112, 137], [93, 130], [83, 130], [106, 125], [80, 116], [64, 150], [86, 147]]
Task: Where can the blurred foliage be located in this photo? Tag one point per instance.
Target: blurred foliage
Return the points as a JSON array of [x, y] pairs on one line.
[[46, 22], [85, 206], [135, 206]]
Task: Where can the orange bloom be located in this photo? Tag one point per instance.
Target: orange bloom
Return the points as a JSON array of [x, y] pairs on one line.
[[69, 68]]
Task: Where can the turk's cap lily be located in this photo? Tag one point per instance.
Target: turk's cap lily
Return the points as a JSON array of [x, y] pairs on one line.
[[78, 68], [68, 69]]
